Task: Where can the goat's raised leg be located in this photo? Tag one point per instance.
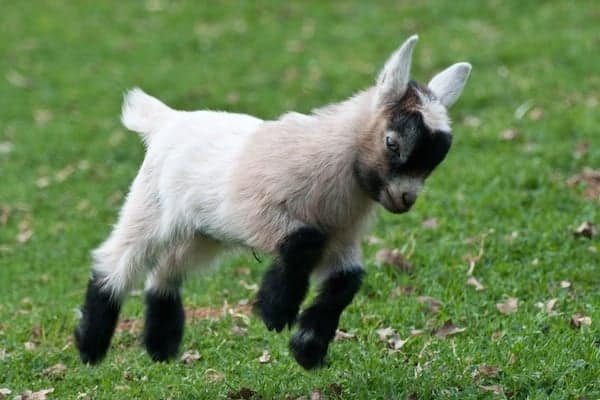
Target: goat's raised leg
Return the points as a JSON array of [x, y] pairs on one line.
[[318, 323], [285, 284]]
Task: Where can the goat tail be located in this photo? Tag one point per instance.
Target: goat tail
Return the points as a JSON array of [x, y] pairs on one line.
[[143, 113]]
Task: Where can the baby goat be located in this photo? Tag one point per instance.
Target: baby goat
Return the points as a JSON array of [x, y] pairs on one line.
[[301, 188]]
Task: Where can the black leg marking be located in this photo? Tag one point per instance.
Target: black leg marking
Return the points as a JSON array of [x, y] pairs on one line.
[[319, 322], [163, 328], [285, 284], [97, 324]]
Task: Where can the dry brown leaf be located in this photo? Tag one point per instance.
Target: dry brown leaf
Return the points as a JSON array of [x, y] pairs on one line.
[[190, 357], [17, 79], [497, 336], [416, 332], [536, 113], [448, 329], [265, 357], [42, 182], [486, 371], [239, 331], [590, 178], [401, 291], [130, 325], [243, 394], [30, 346], [496, 389], [253, 287], [343, 335], [215, 313], [212, 375], [430, 223], [586, 229], [335, 389], [242, 271], [579, 320], [509, 134], [55, 371], [431, 304], [64, 173], [547, 306], [384, 333], [509, 306], [394, 258], [475, 283], [565, 284], [36, 331], [396, 343], [42, 116], [25, 231], [316, 395], [29, 395]]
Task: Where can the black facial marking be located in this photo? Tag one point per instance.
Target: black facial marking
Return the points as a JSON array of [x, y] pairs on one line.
[[98, 321], [368, 179], [164, 322], [318, 323], [286, 282], [427, 149]]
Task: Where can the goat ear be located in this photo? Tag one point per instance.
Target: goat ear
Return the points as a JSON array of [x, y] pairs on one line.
[[448, 84], [393, 78]]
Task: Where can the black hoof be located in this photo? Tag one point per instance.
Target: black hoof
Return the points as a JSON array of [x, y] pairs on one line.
[[97, 324], [308, 350], [275, 317], [163, 329]]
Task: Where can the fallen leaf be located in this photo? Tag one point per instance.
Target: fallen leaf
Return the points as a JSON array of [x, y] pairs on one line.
[[6, 147], [42, 116], [565, 284], [29, 395], [42, 182], [55, 370], [448, 329], [242, 271], [316, 395], [394, 258], [335, 389], [384, 333], [416, 332], [130, 325], [25, 232], [243, 393], [579, 320], [431, 304], [401, 291], [239, 331], [212, 375], [590, 178], [36, 331], [509, 134], [30, 346], [396, 343], [190, 357], [430, 223], [372, 240], [15, 78], [216, 313], [497, 336], [586, 229], [64, 173], [475, 283], [547, 306], [509, 306], [343, 335], [496, 389], [536, 113], [265, 357], [253, 287], [486, 371], [471, 121]]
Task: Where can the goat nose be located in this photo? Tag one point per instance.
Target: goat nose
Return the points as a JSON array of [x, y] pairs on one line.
[[409, 198]]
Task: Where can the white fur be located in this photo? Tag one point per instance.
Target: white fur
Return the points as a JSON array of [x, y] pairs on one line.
[[211, 180], [449, 84]]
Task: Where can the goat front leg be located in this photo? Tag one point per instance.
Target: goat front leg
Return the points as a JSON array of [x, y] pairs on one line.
[[318, 323], [285, 284]]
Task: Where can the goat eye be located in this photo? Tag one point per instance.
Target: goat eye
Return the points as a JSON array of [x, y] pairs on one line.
[[392, 145]]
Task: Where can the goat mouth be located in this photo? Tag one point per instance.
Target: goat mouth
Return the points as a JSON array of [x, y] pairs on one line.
[[391, 205]]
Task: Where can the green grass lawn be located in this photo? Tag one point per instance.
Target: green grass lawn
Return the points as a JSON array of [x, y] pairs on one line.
[[66, 163]]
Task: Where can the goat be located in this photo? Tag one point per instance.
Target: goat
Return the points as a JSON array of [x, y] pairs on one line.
[[301, 188]]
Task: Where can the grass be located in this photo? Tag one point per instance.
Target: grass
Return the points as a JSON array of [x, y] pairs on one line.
[[66, 163]]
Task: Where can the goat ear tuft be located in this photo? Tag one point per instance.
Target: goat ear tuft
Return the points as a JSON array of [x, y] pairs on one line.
[[448, 84], [395, 75]]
